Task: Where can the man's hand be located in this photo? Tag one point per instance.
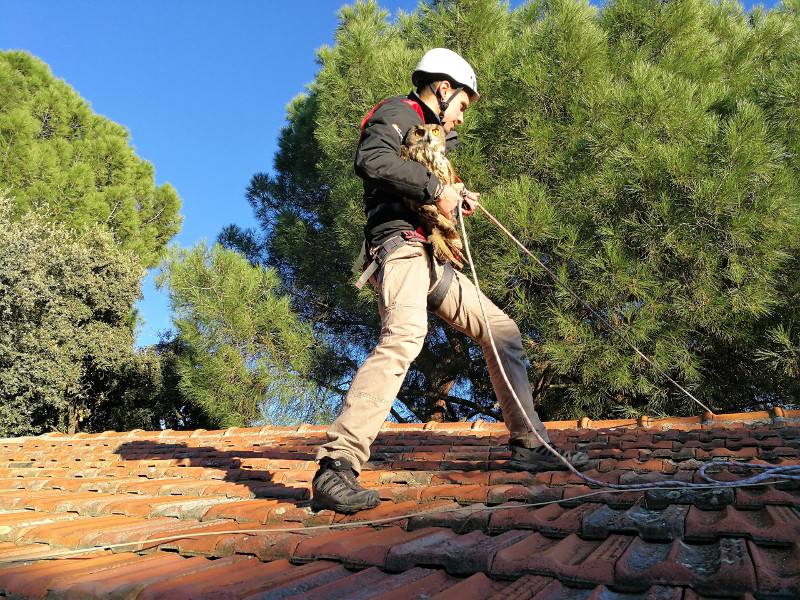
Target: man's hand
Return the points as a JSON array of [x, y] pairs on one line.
[[469, 203], [450, 198]]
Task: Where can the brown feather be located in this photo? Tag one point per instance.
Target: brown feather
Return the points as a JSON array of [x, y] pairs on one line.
[[425, 144]]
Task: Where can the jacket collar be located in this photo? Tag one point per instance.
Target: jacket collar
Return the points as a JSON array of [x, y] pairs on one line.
[[430, 116]]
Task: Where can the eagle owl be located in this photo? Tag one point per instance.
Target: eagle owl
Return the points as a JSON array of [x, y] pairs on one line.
[[425, 144]]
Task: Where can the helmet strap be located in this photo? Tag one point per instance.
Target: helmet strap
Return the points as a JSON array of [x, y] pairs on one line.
[[443, 104]]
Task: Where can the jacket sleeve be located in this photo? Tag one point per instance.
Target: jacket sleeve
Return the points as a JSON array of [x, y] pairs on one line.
[[378, 159]]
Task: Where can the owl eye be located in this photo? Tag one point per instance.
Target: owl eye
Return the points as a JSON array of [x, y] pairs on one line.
[[418, 133], [435, 131]]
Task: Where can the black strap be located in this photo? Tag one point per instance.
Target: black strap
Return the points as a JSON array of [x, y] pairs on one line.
[[437, 295], [379, 255], [361, 260], [443, 104]]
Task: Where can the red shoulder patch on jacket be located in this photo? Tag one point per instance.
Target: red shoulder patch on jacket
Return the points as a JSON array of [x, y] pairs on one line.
[[413, 104]]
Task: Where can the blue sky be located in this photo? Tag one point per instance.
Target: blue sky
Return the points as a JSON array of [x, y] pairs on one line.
[[202, 86]]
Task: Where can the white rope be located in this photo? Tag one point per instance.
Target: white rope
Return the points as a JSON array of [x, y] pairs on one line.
[[186, 535], [770, 473]]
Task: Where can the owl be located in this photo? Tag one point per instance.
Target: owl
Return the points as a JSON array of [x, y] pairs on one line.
[[425, 144]]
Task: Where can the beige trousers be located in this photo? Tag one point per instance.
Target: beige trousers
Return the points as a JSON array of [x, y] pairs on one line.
[[403, 285]]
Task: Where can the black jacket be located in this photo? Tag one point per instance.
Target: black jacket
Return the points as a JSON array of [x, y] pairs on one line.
[[387, 177]]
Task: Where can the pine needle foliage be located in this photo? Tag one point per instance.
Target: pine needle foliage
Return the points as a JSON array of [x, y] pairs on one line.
[[244, 353], [647, 152], [77, 168]]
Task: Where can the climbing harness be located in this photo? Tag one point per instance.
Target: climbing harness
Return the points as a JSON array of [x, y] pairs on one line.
[[379, 254], [770, 473]]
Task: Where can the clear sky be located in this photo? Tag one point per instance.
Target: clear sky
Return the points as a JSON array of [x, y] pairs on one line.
[[202, 85]]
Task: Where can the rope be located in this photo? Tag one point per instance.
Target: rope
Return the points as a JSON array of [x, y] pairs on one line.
[[150, 543], [771, 473]]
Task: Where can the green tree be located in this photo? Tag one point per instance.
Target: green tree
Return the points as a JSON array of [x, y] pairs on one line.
[[65, 333], [647, 152], [664, 190], [311, 215], [148, 396], [60, 159], [244, 353]]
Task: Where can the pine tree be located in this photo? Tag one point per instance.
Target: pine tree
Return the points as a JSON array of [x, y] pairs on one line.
[[647, 152], [243, 352], [82, 219], [60, 159]]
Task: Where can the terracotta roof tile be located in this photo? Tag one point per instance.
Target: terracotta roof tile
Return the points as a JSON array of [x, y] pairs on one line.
[[215, 514], [552, 520], [368, 583], [723, 567], [463, 520], [33, 581], [399, 493], [277, 543], [457, 553], [570, 558], [765, 496], [475, 587], [425, 587], [124, 581], [650, 525], [770, 525], [356, 547], [212, 580], [24, 555], [777, 569]]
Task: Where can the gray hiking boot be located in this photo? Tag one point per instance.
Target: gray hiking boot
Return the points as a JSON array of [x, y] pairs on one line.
[[335, 487], [541, 459]]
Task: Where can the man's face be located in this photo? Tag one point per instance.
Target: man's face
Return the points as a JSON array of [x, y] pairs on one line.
[[454, 115]]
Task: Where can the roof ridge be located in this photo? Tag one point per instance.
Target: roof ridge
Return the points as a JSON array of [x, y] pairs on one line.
[[775, 415]]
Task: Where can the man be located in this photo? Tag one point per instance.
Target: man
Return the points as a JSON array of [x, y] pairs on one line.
[[410, 281]]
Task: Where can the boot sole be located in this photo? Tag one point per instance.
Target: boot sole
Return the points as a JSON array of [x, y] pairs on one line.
[[519, 465], [346, 509]]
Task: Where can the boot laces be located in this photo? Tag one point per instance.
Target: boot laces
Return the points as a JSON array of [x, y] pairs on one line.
[[339, 482]]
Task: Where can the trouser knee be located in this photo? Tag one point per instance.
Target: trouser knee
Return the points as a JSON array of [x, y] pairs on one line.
[[404, 348], [505, 333]]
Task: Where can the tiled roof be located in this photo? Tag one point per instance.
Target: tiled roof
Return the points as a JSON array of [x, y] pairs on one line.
[[225, 514]]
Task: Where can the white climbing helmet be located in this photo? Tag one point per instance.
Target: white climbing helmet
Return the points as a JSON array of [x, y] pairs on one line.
[[441, 63]]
